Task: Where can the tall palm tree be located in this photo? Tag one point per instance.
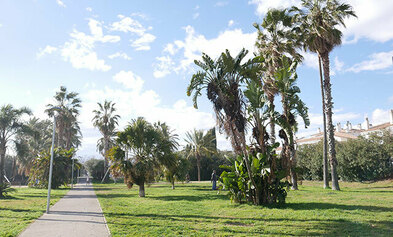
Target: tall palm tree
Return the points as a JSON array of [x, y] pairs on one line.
[[67, 125], [10, 123], [293, 106], [198, 145], [106, 121], [319, 21], [275, 39]]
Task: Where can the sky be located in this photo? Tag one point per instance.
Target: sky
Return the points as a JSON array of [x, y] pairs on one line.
[[139, 54]]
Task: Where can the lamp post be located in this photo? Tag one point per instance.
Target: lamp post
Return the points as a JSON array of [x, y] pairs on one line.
[[51, 159], [72, 174]]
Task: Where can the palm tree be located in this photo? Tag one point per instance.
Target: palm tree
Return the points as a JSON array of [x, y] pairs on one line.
[[318, 23], [275, 39], [68, 130], [10, 123], [198, 145], [285, 80], [29, 142], [139, 153], [222, 79], [106, 121]]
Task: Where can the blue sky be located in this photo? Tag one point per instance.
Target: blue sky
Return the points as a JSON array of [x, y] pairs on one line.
[[139, 54]]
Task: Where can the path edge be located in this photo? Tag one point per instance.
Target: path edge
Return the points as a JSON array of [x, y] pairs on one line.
[[42, 215], [103, 215]]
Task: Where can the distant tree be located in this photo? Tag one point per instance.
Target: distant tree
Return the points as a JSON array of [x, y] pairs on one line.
[[67, 124], [106, 121], [177, 171], [198, 145], [10, 124], [94, 167]]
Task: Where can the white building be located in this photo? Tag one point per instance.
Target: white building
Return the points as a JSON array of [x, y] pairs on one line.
[[350, 132]]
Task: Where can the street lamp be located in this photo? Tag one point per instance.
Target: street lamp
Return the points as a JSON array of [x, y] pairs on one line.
[[51, 158]]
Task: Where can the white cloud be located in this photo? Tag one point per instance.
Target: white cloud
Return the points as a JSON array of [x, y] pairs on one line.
[[310, 60], [374, 22], [119, 55], [60, 3], [129, 80], [182, 53], [163, 67], [143, 43], [230, 23], [221, 4], [338, 65], [1, 25], [133, 101], [380, 116], [79, 50], [263, 6], [377, 61], [195, 15], [89, 9], [128, 24], [47, 50]]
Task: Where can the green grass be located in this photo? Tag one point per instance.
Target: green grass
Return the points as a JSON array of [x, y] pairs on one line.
[[194, 210], [23, 207]]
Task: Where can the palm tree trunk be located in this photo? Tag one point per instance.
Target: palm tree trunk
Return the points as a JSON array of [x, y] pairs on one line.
[[2, 157], [198, 158], [272, 123], [329, 127], [325, 161], [142, 190]]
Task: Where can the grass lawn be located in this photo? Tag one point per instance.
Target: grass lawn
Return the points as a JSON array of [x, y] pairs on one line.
[[194, 210], [23, 207]]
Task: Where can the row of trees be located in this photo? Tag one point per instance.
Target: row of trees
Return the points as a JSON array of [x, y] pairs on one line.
[[243, 95]]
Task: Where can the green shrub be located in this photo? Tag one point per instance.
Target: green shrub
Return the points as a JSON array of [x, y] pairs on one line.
[[62, 163], [361, 159]]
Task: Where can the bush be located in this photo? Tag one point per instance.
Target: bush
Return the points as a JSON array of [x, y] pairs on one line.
[[361, 159], [366, 159], [62, 163], [310, 161]]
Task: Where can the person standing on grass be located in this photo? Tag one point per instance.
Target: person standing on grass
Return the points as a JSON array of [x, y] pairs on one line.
[[214, 180]]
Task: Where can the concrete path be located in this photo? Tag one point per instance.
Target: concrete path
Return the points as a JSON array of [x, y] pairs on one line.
[[76, 214]]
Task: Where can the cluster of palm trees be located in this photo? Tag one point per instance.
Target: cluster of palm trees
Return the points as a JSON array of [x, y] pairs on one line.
[[281, 36], [29, 138]]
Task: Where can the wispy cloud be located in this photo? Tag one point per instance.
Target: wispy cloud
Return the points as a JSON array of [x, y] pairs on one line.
[[377, 61], [119, 55], [60, 3], [47, 50]]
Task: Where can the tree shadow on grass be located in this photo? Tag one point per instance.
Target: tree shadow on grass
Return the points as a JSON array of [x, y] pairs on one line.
[[192, 198], [285, 226], [116, 195], [324, 206]]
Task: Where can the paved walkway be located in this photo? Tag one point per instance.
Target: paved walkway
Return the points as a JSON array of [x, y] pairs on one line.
[[76, 214]]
